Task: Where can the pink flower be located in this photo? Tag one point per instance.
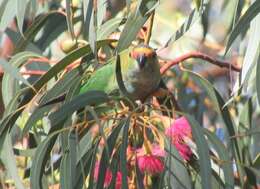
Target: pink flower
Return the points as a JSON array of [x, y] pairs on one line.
[[151, 163], [178, 131], [118, 180], [108, 176]]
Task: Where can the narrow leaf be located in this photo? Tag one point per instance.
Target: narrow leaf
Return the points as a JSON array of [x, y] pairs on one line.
[[69, 18], [223, 155], [8, 158], [243, 23], [20, 14], [13, 71], [203, 152]]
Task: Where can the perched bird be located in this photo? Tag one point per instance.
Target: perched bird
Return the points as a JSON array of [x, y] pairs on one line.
[[140, 74]]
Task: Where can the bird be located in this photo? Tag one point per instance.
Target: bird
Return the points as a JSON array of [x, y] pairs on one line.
[[140, 74]]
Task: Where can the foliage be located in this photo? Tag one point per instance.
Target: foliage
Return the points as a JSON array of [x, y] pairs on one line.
[[98, 139]]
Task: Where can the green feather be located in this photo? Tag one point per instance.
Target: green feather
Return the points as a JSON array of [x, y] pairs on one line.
[[139, 81], [104, 78]]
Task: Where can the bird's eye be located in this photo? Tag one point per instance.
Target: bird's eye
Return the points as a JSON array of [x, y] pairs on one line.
[[154, 55]]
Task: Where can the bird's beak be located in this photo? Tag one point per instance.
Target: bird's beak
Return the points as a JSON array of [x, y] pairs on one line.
[[141, 61]]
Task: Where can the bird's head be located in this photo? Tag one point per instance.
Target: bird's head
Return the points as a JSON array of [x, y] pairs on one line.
[[144, 56]]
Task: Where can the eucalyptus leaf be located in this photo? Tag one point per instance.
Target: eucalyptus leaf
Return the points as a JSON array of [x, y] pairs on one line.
[[243, 23]]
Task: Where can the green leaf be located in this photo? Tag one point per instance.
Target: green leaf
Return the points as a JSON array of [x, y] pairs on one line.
[[62, 86], [38, 114], [203, 152], [135, 22], [34, 7], [52, 29], [34, 28], [249, 69], [90, 23], [101, 11], [108, 27], [15, 36], [123, 159], [88, 98], [258, 79], [256, 162], [243, 23], [254, 171], [104, 161], [218, 106], [180, 178], [119, 78], [72, 157], [69, 18], [12, 72], [2, 8], [9, 120], [223, 156], [69, 162], [59, 66], [10, 69], [65, 172], [245, 117], [20, 14], [192, 18], [41, 156], [85, 164], [8, 158], [26, 152], [8, 11]]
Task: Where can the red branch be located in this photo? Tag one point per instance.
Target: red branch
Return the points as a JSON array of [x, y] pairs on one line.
[[29, 72], [199, 55]]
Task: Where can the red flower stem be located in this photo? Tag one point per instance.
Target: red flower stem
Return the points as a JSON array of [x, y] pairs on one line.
[[29, 72], [199, 55], [33, 72]]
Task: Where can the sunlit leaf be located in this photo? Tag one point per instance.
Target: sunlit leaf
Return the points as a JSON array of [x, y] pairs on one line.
[[223, 155], [8, 158], [69, 18], [243, 23], [136, 19], [203, 152], [8, 11], [12, 72], [20, 13]]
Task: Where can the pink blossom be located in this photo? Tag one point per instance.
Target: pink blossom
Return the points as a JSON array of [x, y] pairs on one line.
[[118, 180], [151, 163], [108, 176], [178, 131]]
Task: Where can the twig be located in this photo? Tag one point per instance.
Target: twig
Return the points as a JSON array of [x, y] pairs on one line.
[[202, 56], [150, 28], [29, 72]]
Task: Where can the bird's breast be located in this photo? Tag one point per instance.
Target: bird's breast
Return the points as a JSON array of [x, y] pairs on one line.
[[141, 83]]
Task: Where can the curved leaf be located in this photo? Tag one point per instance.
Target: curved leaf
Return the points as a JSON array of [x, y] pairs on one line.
[[203, 152], [88, 98], [9, 85], [223, 155], [243, 23], [136, 19]]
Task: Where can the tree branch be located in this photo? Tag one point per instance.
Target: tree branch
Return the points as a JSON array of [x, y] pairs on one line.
[[202, 56], [29, 72]]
